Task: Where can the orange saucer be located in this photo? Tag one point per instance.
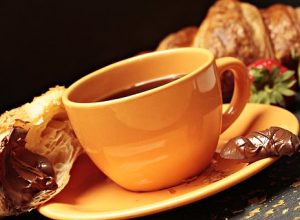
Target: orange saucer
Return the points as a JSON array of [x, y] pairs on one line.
[[91, 195]]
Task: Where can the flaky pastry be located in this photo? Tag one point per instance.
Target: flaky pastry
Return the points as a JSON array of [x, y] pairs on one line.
[[49, 138]]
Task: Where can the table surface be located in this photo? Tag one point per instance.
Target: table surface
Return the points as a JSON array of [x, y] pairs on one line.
[[274, 193]]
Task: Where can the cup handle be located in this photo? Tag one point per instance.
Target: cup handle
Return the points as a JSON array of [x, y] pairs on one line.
[[241, 88]]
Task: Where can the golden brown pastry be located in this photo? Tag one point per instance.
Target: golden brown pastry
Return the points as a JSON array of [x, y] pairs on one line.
[[284, 30], [182, 38], [260, 32], [298, 13], [238, 29], [234, 29], [38, 149]]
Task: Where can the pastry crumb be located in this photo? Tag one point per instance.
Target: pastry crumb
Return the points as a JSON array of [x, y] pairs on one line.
[[268, 213], [285, 211], [297, 207], [172, 191], [257, 200], [237, 211], [280, 203], [253, 213], [296, 184]]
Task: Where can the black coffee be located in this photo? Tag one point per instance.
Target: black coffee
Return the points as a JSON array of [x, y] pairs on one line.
[[143, 86]]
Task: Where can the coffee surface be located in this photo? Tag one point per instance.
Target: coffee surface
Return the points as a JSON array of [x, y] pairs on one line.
[[143, 86]]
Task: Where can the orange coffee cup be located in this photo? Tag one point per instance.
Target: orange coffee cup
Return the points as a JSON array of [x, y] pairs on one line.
[[157, 138]]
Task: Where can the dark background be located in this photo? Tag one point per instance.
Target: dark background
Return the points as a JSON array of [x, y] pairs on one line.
[[48, 43]]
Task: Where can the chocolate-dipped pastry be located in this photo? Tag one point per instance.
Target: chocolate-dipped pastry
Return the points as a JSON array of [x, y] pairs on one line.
[[257, 145], [24, 174], [35, 157]]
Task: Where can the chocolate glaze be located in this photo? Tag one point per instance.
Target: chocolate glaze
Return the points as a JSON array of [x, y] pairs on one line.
[[24, 174], [257, 145]]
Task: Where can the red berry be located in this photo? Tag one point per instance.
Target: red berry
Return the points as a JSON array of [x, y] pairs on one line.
[[272, 83]]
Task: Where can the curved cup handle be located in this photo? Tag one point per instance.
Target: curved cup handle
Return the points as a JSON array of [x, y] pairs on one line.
[[241, 88]]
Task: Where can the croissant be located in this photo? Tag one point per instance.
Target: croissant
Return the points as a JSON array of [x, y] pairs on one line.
[[233, 28], [238, 29], [284, 31], [38, 148], [182, 38], [298, 13]]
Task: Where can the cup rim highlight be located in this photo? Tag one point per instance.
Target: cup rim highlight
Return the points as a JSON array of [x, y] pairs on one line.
[[72, 88]]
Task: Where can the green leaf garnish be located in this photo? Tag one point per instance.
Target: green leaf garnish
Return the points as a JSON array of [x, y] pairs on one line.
[[286, 75], [290, 84], [286, 91]]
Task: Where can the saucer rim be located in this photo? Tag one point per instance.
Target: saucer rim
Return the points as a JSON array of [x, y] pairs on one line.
[[51, 209], [187, 198]]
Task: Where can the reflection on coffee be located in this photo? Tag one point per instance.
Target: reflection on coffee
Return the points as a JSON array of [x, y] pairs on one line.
[[143, 86]]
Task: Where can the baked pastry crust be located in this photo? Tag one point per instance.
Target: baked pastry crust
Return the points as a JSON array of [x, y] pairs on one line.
[[182, 38], [238, 29], [284, 30], [297, 10], [234, 29], [241, 30], [226, 32], [260, 33], [50, 135]]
